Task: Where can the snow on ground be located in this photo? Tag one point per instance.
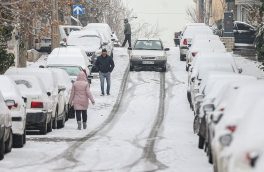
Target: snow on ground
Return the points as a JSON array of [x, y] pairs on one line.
[[137, 136]]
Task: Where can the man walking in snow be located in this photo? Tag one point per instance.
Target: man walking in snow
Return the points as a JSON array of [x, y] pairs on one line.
[[127, 33], [105, 64]]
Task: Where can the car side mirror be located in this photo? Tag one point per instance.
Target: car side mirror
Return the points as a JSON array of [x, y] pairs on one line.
[[129, 48], [193, 79], [63, 44], [24, 99], [89, 77], [49, 94], [215, 118], [112, 39], [167, 49], [105, 43]]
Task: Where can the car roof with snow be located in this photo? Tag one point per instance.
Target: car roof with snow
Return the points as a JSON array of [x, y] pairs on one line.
[[28, 85], [62, 76], [46, 75], [208, 45], [84, 32]]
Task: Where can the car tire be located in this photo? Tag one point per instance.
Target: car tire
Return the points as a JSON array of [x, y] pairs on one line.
[[61, 123], [201, 142], [2, 148], [164, 69], [131, 68], [18, 141], [55, 120], [43, 129], [182, 58], [50, 126], [209, 154], [24, 137], [9, 143]]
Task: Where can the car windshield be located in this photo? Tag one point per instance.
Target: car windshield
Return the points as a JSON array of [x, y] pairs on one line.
[[71, 70], [148, 45], [86, 40]]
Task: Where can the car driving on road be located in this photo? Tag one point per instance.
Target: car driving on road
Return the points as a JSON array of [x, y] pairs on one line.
[[148, 53]]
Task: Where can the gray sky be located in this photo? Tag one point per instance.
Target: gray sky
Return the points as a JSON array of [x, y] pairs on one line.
[[170, 15]]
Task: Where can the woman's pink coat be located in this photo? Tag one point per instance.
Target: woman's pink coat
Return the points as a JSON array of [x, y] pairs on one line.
[[81, 93]]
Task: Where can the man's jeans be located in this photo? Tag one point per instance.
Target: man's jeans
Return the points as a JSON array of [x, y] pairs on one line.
[[107, 77]]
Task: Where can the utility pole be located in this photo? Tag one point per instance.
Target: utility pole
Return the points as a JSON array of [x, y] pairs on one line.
[[54, 25]]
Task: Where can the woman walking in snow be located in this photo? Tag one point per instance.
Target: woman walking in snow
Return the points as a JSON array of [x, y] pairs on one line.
[[79, 98]]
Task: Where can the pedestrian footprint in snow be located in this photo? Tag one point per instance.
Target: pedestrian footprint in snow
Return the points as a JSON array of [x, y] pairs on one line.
[[105, 64], [79, 98]]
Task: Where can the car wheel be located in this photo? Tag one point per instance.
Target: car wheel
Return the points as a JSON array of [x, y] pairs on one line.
[[201, 142], [182, 58], [61, 123], [50, 126], [164, 69], [71, 112], [18, 141], [2, 148], [131, 68], [55, 120], [209, 154], [44, 129], [24, 137], [9, 143]]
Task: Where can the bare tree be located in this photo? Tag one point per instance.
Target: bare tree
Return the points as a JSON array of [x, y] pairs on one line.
[[192, 14]]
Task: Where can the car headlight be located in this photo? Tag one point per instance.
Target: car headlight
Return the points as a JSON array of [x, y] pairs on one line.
[[136, 57]]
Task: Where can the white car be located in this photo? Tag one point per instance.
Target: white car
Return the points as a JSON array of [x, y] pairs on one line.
[[39, 107], [90, 41], [65, 31], [148, 53], [51, 86], [6, 134], [71, 59], [65, 85], [204, 43], [188, 33], [17, 106], [106, 32], [236, 109]]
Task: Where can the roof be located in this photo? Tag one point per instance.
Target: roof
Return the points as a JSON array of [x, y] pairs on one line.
[[85, 32]]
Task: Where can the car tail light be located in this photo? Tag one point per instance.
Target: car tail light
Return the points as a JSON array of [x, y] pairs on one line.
[[231, 128], [36, 104], [251, 158], [185, 42], [222, 109], [11, 104], [194, 54]]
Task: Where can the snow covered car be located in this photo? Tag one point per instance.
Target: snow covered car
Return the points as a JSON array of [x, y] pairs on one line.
[[115, 40], [188, 33], [65, 85], [50, 81], [148, 53], [106, 32], [65, 31], [39, 107], [214, 84], [6, 134], [204, 43], [71, 59], [236, 109], [17, 106], [90, 41]]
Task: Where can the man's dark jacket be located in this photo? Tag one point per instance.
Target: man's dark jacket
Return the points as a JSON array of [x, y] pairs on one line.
[[127, 30], [105, 64]]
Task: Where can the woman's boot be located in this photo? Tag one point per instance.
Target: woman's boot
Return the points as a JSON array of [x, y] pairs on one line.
[[84, 125], [79, 125]]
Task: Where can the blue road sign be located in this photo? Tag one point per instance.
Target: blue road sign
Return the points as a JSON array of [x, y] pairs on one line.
[[78, 10]]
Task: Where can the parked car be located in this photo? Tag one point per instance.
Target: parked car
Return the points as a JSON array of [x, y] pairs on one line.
[[106, 32], [43, 44], [244, 33], [188, 33], [89, 41], [148, 53], [52, 89], [6, 133], [65, 31], [204, 43], [71, 59], [39, 107], [231, 113], [115, 40], [17, 106]]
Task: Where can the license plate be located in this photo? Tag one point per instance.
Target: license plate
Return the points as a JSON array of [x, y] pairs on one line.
[[148, 62]]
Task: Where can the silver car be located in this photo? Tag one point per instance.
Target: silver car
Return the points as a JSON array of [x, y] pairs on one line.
[[148, 53]]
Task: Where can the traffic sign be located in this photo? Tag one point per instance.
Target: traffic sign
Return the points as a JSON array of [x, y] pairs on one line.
[[78, 10]]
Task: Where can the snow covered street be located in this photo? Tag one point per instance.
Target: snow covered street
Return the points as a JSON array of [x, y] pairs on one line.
[[145, 125]]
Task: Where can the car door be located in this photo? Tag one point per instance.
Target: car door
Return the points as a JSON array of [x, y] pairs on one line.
[[244, 34]]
